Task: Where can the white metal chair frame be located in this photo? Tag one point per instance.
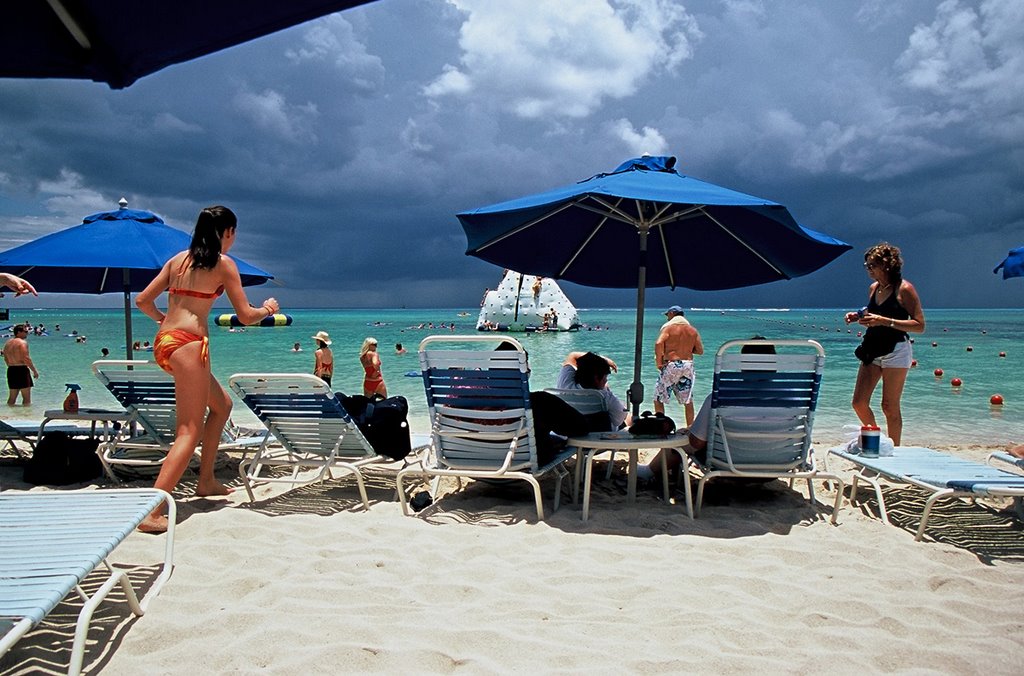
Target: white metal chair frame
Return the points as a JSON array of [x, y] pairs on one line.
[[765, 398], [481, 425], [306, 429], [52, 540]]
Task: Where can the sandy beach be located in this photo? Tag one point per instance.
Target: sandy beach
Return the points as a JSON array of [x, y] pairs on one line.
[[305, 581]]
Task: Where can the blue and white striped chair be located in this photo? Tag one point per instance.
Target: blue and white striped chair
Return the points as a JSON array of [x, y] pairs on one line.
[[307, 429], [481, 423], [147, 393], [762, 414]]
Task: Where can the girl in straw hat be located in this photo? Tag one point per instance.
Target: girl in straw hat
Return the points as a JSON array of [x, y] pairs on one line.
[[324, 367]]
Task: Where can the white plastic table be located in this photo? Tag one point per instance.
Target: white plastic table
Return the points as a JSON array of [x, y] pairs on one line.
[[90, 415], [603, 442]]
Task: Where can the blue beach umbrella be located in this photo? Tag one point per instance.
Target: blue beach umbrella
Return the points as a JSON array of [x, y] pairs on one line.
[[111, 251], [645, 224], [119, 41], [1013, 265]]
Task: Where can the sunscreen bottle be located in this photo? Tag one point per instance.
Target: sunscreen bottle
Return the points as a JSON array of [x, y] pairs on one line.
[[71, 401]]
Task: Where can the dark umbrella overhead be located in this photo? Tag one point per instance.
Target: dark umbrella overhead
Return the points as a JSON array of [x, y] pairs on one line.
[[1013, 265], [119, 41], [112, 251], [643, 225]]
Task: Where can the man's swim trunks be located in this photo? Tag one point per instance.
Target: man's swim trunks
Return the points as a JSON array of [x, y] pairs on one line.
[[167, 342], [18, 377], [676, 378]]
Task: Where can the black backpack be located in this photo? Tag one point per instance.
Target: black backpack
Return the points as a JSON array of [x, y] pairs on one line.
[[60, 460], [384, 423]]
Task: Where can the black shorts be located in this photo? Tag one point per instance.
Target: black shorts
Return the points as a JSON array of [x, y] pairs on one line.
[[18, 377]]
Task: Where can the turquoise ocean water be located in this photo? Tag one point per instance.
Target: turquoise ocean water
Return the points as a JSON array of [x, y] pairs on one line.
[[934, 412]]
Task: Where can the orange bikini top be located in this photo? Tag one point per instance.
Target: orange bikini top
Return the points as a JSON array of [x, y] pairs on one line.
[[176, 291], [196, 294]]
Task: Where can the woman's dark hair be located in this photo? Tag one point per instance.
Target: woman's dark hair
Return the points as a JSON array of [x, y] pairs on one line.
[[211, 225], [590, 368], [889, 258]]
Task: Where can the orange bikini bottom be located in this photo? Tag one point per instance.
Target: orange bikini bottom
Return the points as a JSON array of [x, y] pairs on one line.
[[167, 342]]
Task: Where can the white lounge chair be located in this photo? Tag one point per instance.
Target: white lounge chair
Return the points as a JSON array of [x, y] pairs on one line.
[[480, 416], [307, 429], [18, 434], [147, 393], [762, 414], [51, 540], [943, 475]]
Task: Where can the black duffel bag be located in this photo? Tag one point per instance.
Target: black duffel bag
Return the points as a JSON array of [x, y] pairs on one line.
[[384, 423], [59, 460], [657, 425]]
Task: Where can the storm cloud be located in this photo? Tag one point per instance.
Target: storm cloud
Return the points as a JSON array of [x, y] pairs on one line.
[[346, 145]]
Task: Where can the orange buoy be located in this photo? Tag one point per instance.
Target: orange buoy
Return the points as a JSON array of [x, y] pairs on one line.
[[996, 400], [956, 382], [938, 373]]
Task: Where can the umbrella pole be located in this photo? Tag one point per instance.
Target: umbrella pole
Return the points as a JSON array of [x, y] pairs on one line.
[[636, 389], [127, 313]]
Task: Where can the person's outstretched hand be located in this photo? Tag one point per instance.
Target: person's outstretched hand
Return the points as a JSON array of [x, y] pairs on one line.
[[17, 284]]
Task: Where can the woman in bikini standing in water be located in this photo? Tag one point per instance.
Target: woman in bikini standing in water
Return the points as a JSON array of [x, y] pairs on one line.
[[182, 344], [893, 311], [324, 365], [373, 381]]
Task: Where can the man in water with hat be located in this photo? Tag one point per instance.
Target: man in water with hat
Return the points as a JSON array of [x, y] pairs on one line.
[[673, 355]]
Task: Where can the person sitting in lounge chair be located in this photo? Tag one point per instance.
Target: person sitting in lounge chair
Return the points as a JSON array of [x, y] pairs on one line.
[[589, 371]]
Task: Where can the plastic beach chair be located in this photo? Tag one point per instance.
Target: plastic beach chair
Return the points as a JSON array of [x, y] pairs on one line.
[[944, 475], [307, 428], [12, 436], [147, 392], [51, 540], [16, 434], [762, 415], [481, 424]]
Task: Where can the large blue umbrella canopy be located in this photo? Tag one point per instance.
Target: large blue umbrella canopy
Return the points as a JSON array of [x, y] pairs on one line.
[[111, 251], [119, 41], [1013, 265], [645, 224]]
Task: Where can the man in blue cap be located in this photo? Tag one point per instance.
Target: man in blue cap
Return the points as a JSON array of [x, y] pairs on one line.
[[673, 354]]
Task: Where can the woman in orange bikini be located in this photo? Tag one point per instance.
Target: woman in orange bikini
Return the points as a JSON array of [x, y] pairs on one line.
[[182, 348], [324, 366], [373, 381]]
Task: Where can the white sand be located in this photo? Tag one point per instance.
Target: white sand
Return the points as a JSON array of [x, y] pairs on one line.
[[304, 581]]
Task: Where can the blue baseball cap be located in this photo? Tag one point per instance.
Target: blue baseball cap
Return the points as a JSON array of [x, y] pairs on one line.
[[676, 309]]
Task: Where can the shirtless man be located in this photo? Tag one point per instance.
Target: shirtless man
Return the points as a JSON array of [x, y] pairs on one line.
[[18, 366], [673, 355]]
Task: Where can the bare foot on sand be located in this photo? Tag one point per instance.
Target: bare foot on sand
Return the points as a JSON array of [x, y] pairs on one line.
[[1017, 451], [154, 524], [204, 490]]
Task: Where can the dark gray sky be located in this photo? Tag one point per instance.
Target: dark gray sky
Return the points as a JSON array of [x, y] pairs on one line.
[[346, 145]]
